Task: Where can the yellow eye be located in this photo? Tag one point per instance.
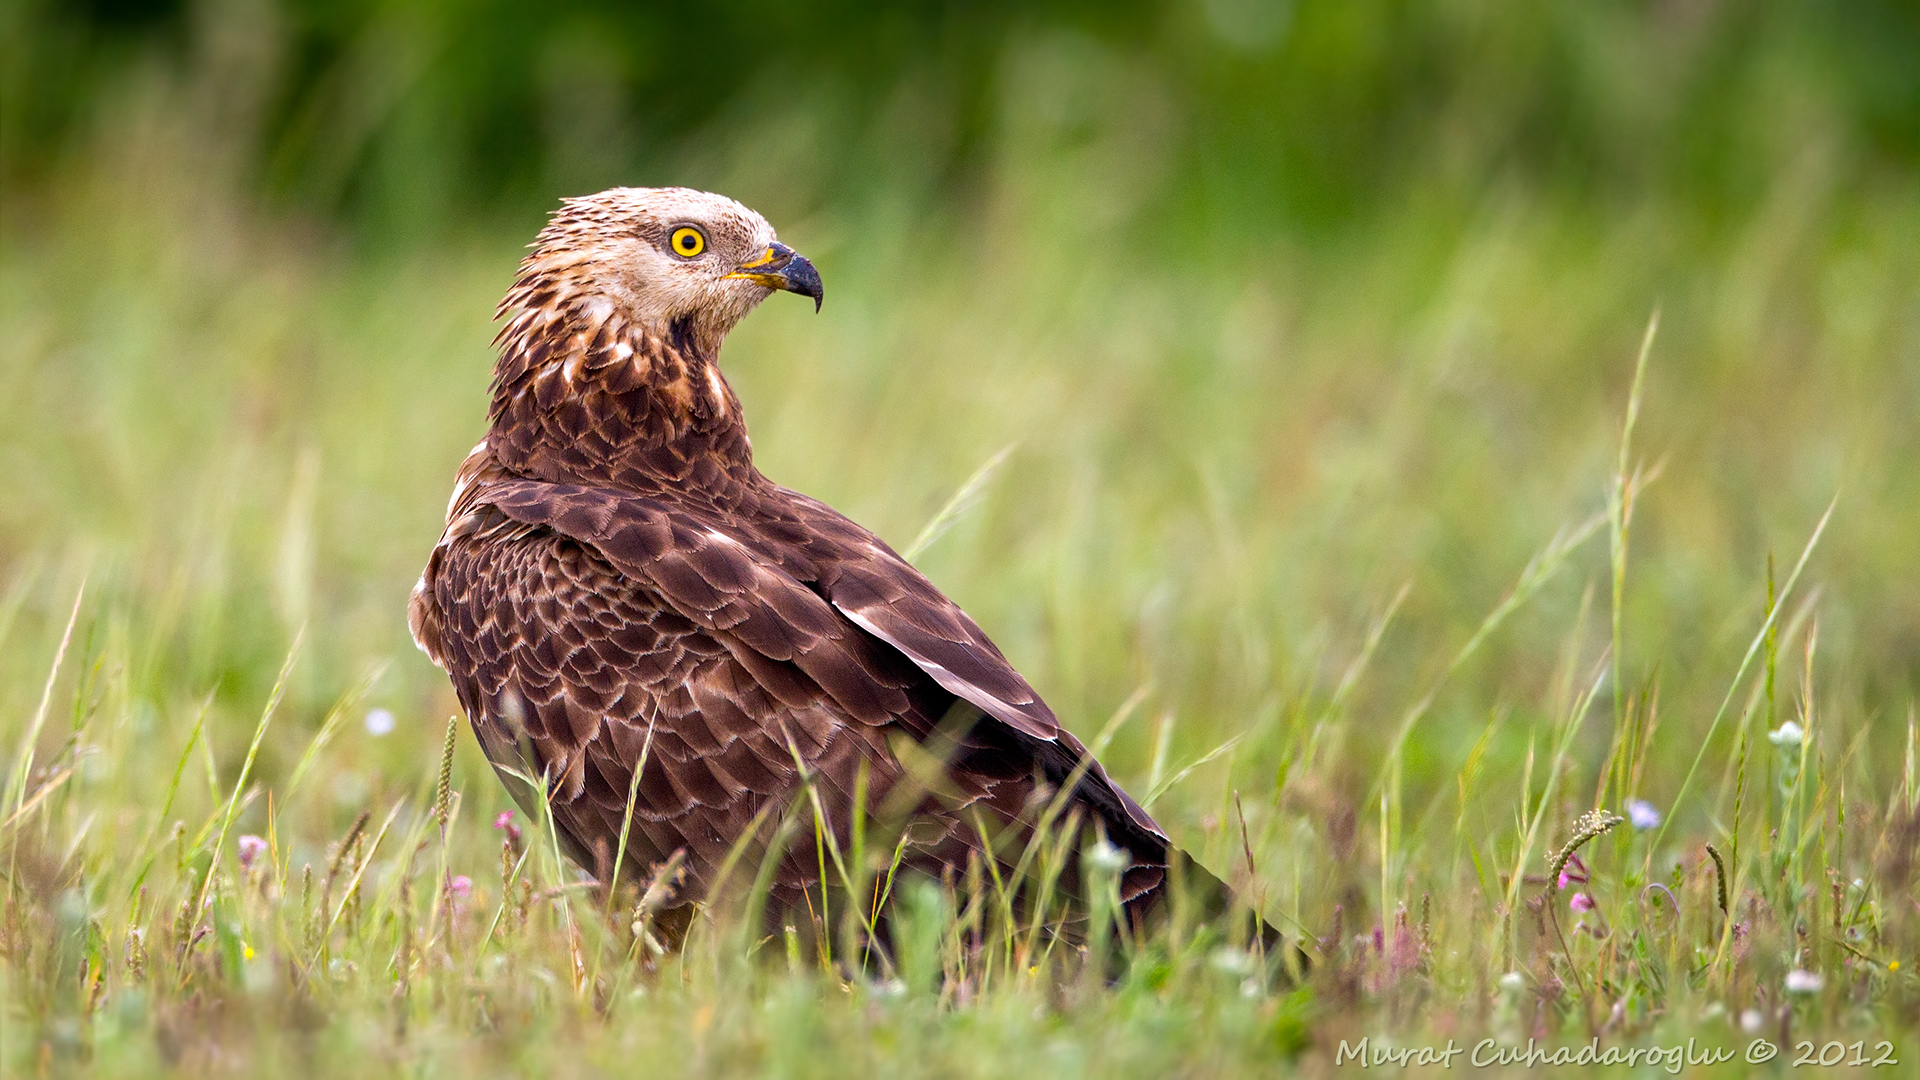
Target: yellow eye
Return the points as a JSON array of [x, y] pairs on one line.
[[688, 241]]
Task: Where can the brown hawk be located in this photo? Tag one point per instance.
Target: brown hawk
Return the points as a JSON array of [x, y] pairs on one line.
[[617, 584]]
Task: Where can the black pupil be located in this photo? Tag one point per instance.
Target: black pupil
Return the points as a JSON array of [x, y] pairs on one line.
[[687, 240]]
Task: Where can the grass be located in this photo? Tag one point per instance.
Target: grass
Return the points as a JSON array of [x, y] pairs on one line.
[[1374, 564]]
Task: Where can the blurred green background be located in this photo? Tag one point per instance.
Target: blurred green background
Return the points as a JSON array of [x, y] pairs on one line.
[[1283, 306]]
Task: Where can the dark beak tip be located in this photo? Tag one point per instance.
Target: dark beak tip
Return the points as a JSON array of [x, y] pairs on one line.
[[804, 279]]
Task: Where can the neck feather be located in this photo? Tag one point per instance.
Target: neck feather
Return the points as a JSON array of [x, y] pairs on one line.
[[584, 394]]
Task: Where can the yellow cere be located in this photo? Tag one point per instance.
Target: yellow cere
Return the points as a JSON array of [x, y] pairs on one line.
[[688, 242]]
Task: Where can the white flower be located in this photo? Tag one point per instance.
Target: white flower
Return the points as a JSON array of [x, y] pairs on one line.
[[1108, 857], [1231, 961], [1789, 734], [379, 722], [1643, 814], [1512, 982], [1751, 1021], [1804, 982]]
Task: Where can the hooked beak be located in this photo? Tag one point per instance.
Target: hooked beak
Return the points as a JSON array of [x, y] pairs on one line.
[[781, 267]]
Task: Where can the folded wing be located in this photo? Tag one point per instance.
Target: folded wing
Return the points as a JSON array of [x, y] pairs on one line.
[[801, 584]]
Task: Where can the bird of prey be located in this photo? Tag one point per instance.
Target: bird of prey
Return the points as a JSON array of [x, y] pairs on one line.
[[618, 587]]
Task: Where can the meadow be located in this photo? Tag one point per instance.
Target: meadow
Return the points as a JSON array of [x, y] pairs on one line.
[[1375, 555]]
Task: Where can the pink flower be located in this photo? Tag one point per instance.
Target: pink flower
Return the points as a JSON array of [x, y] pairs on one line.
[[505, 821], [461, 886], [1581, 902], [251, 848], [1574, 873], [1804, 982]]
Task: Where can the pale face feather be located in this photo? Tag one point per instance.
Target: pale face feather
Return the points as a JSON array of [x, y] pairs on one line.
[[614, 248]]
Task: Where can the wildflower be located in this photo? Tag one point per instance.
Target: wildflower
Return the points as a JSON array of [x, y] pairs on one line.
[[1804, 982], [1751, 1021], [461, 886], [1574, 873], [1643, 814], [379, 722], [1789, 734], [1231, 961], [250, 849], [1581, 902], [505, 821]]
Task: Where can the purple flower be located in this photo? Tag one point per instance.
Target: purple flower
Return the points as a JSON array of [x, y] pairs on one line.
[[1643, 814], [461, 886], [505, 821], [1574, 873], [1581, 902], [251, 848]]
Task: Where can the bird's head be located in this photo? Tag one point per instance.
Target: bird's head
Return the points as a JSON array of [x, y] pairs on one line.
[[664, 257]]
